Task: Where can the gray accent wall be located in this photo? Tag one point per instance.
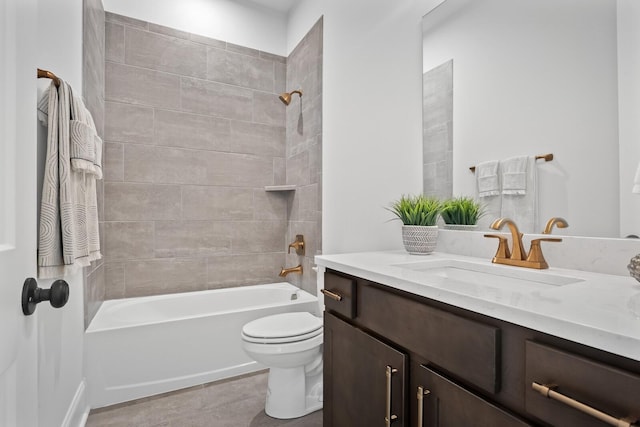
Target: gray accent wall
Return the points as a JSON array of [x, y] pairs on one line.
[[93, 50], [194, 131], [437, 131], [304, 153]]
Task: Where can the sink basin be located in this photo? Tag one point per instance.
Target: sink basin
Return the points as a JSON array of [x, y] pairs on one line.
[[464, 273]]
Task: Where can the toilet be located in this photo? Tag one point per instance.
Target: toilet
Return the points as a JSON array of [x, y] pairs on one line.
[[290, 345]]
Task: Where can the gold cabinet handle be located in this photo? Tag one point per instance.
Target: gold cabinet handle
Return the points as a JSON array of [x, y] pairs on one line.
[[331, 295], [547, 391], [420, 396], [388, 417]]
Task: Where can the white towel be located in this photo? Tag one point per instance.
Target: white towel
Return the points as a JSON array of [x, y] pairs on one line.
[[523, 207], [68, 236], [636, 182], [487, 179], [514, 175], [488, 188]]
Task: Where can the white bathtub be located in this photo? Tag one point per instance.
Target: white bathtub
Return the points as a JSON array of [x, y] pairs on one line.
[[139, 347]]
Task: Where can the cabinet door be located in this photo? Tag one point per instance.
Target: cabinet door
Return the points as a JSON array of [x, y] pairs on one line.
[[446, 404], [364, 378]]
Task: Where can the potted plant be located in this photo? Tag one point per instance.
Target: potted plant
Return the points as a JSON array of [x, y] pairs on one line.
[[461, 213], [419, 215]]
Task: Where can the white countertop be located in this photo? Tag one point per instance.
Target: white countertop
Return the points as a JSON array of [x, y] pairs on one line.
[[598, 310]]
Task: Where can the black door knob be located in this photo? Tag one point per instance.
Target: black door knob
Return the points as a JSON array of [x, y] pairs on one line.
[[57, 295]]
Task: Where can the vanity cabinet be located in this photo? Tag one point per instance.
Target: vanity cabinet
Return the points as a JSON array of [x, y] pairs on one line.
[[392, 358], [364, 378]]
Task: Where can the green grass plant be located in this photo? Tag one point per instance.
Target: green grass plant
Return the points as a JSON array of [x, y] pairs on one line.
[[461, 211], [417, 210]]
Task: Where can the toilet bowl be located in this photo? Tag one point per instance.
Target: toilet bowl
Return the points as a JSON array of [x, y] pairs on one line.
[[290, 345]]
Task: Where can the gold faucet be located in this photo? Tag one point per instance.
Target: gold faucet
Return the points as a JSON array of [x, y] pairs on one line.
[[557, 221], [298, 245], [518, 252], [285, 271], [518, 257]]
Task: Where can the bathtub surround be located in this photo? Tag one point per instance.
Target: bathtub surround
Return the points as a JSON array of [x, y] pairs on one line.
[[194, 132], [93, 52], [304, 153]]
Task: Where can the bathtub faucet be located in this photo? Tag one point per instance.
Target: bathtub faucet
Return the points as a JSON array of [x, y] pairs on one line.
[[285, 271]]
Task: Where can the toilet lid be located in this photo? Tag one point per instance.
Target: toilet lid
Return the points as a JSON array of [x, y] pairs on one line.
[[286, 325]]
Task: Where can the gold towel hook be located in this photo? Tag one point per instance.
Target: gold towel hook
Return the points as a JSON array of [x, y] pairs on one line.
[[44, 74]]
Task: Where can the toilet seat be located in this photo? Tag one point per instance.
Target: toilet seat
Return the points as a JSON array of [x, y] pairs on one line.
[[282, 328]]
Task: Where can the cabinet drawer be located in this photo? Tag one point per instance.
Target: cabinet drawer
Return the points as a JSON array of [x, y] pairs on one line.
[[465, 348], [446, 404], [609, 390], [340, 295]]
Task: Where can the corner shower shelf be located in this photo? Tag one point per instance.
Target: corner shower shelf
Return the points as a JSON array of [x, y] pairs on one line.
[[280, 188]]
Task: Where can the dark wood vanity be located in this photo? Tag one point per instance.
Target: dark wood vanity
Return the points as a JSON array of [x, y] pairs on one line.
[[392, 358]]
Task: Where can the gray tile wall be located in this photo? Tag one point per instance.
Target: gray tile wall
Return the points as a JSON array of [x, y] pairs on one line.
[[304, 153], [194, 130], [437, 137], [93, 91]]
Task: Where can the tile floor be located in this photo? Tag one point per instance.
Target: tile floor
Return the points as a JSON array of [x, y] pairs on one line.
[[237, 402]]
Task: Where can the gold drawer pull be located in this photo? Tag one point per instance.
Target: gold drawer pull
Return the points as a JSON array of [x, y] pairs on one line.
[[331, 295], [420, 396], [389, 418], [547, 391]]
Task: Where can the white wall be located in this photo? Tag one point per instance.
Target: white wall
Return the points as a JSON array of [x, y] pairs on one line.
[[533, 78], [232, 21], [372, 115], [60, 331], [629, 112]]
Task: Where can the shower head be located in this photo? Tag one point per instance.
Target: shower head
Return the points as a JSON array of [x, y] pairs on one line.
[[286, 97]]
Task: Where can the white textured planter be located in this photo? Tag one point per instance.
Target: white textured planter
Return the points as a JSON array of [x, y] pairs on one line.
[[634, 267], [419, 239]]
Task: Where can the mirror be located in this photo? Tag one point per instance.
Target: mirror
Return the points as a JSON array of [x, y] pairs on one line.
[[531, 77]]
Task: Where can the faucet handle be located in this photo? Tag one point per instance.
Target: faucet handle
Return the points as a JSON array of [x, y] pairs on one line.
[[535, 252], [298, 245], [503, 246], [557, 221]]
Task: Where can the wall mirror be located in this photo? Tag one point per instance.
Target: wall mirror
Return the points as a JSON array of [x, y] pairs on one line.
[[531, 77]]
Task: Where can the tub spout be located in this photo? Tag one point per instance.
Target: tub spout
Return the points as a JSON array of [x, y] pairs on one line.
[[285, 271]]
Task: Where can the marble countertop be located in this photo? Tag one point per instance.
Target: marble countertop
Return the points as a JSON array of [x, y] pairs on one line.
[[598, 310]]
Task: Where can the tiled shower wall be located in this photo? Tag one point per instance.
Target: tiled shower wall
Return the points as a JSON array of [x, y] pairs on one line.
[[93, 50], [304, 153], [194, 130], [437, 128]]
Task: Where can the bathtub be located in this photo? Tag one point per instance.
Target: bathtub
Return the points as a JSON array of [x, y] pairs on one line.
[[139, 347]]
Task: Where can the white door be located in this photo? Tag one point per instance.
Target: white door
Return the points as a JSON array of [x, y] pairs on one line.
[[18, 345]]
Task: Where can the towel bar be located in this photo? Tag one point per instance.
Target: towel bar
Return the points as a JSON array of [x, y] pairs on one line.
[[545, 157]]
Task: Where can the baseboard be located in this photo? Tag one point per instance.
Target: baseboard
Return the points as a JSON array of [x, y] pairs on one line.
[[78, 409]]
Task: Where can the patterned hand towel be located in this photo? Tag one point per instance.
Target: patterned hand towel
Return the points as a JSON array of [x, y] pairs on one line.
[[68, 232]]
